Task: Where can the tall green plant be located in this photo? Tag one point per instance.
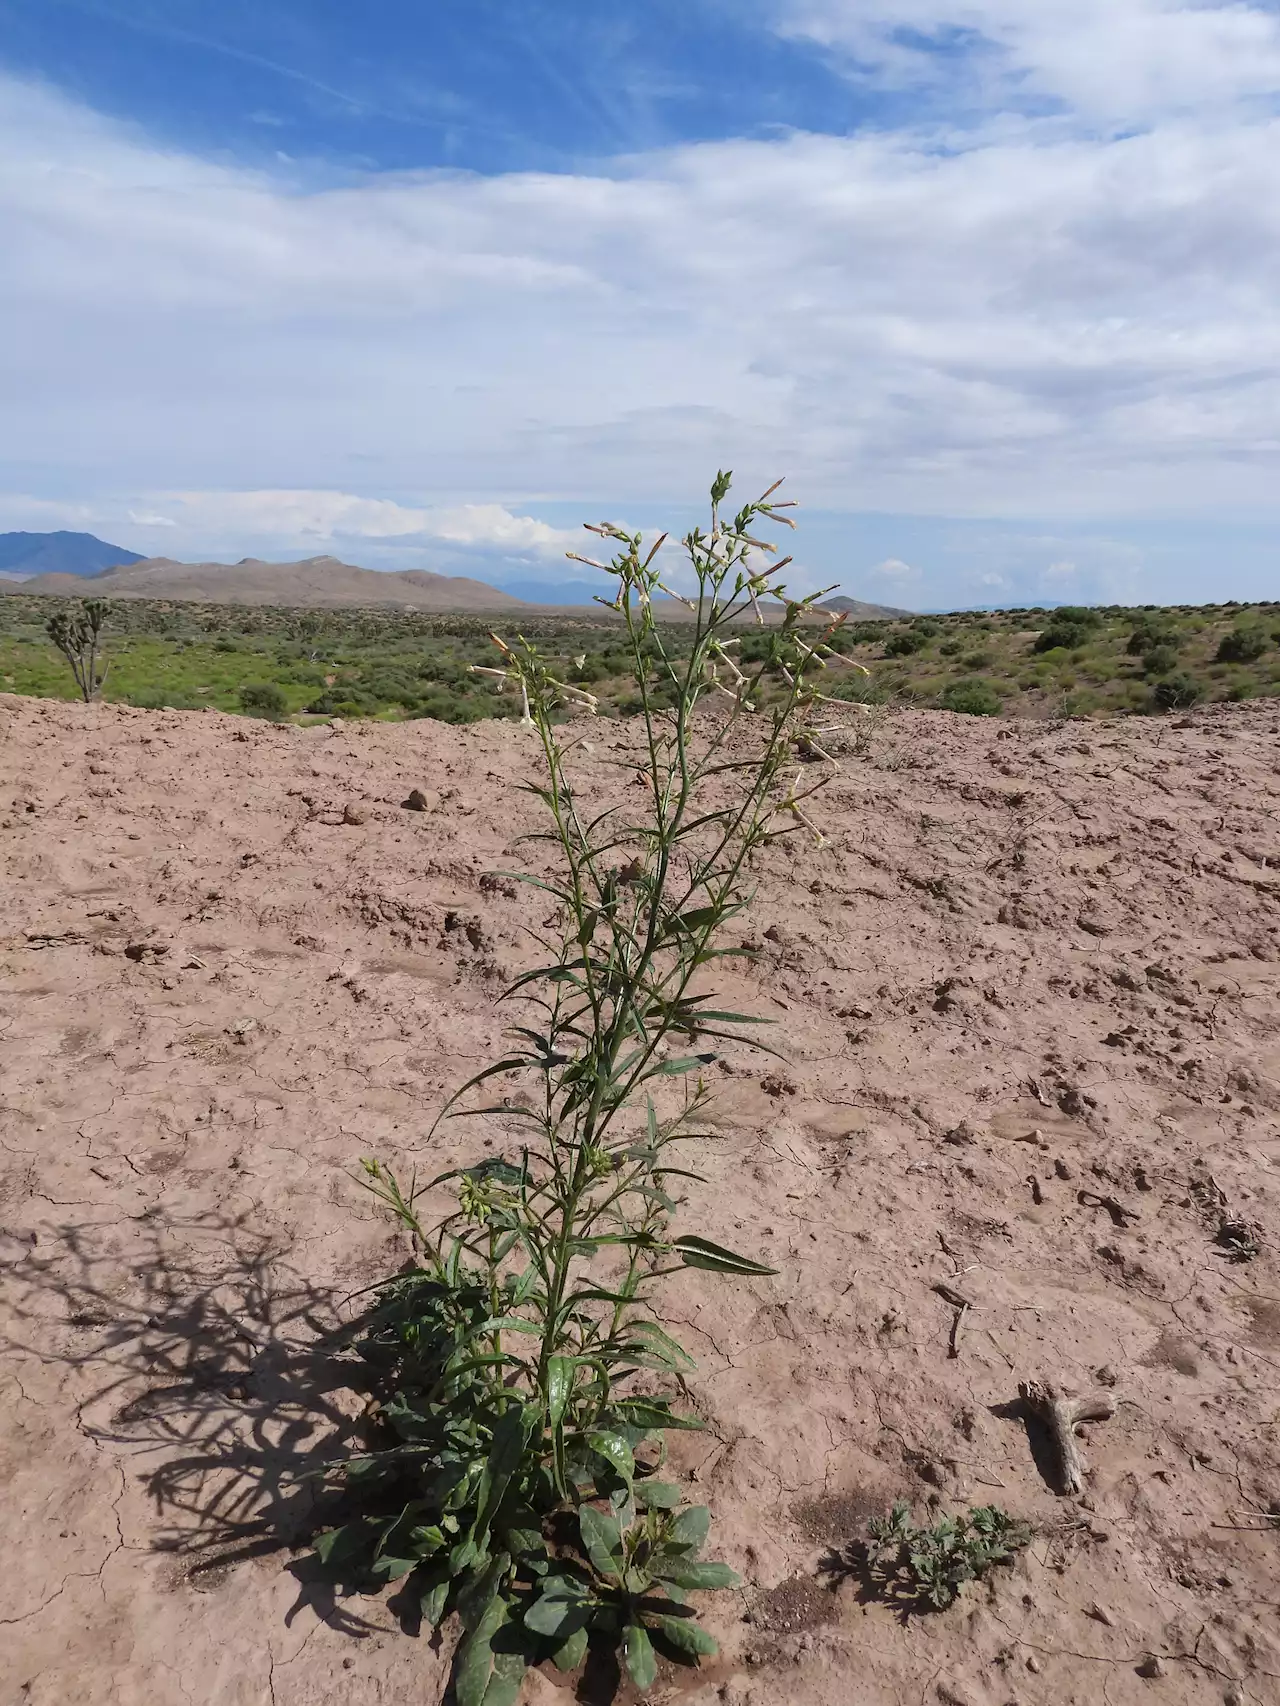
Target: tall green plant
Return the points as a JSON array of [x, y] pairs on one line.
[[517, 1478], [78, 637]]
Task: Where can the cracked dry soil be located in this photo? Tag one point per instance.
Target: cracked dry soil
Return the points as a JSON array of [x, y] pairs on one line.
[[1034, 978]]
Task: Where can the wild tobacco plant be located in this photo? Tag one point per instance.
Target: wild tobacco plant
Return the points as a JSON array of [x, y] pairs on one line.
[[516, 1480]]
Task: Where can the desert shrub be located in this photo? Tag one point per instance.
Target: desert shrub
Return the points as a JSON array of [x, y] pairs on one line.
[[926, 625], [1242, 645], [1065, 635], [1148, 633], [917, 1566], [1160, 660], [263, 699], [905, 644], [977, 660], [951, 648], [517, 1478], [1176, 692], [975, 698]]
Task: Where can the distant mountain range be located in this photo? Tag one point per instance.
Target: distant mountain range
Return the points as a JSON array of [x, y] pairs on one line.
[[318, 582], [77, 565], [863, 611], [59, 554]]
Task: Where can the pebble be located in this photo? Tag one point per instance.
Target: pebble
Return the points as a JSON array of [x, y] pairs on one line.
[[1151, 1666]]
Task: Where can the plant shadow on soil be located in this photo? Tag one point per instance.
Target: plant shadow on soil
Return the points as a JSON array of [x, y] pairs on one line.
[[209, 1354]]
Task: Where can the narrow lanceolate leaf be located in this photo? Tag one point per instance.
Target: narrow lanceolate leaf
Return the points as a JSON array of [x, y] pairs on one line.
[[658, 1339], [702, 1253], [682, 1632], [560, 1371], [638, 1654], [653, 1415], [678, 1068]]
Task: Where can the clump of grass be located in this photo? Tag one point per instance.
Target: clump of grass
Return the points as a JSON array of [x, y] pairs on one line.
[[919, 1566], [516, 1478]]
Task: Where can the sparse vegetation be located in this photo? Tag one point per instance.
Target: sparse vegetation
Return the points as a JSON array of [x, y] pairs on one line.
[[516, 1479], [927, 1567], [396, 664]]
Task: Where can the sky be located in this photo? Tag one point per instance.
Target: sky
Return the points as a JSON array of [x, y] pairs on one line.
[[995, 284]]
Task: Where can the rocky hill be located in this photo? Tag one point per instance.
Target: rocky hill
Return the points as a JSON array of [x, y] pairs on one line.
[[321, 582]]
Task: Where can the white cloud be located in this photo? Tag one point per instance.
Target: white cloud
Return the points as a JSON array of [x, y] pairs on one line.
[[1125, 60], [325, 517], [893, 569], [1025, 321], [143, 519]]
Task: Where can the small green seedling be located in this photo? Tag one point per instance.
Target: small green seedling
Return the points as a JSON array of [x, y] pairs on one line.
[[928, 1566]]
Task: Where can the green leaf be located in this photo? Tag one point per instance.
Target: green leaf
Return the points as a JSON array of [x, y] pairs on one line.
[[391, 1569], [570, 1654], [678, 1068], [510, 1437], [474, 1661], [560, 1372], [615, 1450], [658, 1342], [693, 1575], [508, 1676], [690, 1528], [682, 1632], [339, 1545], [556, 1617], [638, 1655], [433, 1600], [652, 1414], [602, 1540], [657, 1495], [702, 1253]]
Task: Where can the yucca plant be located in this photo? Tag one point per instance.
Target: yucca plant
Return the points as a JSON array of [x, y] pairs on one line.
[[529, 1381], [78, 636]]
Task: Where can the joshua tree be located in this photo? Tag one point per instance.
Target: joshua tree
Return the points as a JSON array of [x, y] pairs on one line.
[[79, 637]]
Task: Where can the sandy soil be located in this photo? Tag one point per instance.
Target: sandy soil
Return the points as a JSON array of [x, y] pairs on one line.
[[232, 963]]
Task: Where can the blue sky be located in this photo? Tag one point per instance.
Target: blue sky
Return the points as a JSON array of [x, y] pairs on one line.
[[994, 284]]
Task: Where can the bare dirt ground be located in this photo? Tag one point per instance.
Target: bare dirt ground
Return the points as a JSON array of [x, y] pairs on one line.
[[232, 963]]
